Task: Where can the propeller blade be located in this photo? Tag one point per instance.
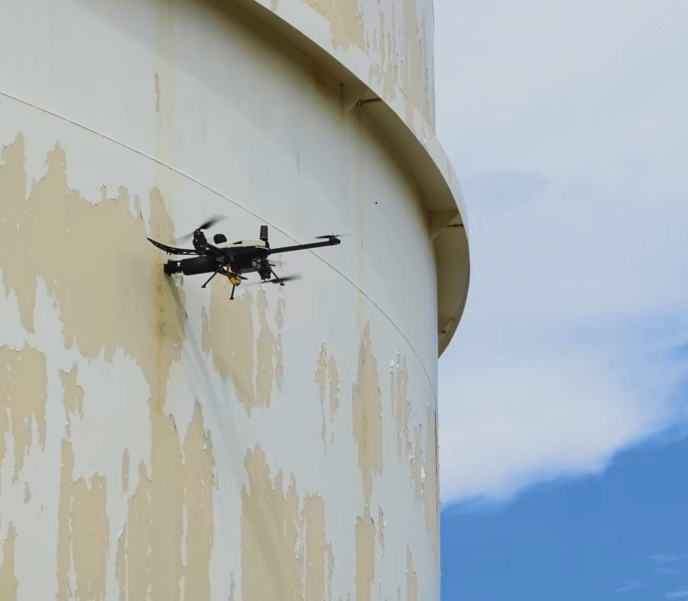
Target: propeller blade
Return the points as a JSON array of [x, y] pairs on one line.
[[211, 222], [204, 226], [289, 278], [331, 236]]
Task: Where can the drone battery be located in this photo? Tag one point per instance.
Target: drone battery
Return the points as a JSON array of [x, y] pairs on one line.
[[197, 265]]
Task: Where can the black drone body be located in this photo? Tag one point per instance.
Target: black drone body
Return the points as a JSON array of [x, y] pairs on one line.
[[232, 260]]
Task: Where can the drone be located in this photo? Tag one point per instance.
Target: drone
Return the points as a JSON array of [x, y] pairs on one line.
[[235, 259]]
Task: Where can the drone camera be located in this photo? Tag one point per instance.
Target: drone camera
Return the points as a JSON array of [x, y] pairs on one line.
[[219, 238]]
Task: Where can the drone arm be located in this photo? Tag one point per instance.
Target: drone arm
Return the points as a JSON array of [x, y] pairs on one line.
[[174, 251], [286, 249]]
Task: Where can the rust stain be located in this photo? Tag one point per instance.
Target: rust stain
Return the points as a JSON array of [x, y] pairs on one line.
[[283, 546], [8, 580], [367, 415], [23, 394], [83, 532]]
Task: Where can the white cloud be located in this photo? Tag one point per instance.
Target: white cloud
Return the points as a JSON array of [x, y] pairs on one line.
[[574, 344], [681, 594]]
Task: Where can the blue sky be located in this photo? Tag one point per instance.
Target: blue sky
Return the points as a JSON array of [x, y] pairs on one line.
[[568, 129]]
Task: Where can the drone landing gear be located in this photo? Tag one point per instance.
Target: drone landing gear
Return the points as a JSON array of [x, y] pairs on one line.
[[280, 282]]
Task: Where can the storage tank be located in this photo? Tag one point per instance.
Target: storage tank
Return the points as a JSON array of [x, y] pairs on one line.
[[159, 440]]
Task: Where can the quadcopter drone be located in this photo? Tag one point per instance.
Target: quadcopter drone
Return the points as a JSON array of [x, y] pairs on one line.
[[232, 260]]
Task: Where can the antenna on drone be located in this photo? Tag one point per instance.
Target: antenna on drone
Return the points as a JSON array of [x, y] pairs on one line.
[[264, 235]]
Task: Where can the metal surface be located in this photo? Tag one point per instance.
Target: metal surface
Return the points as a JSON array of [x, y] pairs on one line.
[[160, 441]]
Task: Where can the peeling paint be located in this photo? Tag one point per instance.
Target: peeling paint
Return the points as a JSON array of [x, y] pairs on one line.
[[44, 234], [346, 24], [254, 366], [327, 378], [401, 405], [409, 448], [149, 555], [416, 463], [432, 499], [411, 578], [283, 546], [83, 532], [23, 394], [330, 570], [73, 396], [365, 557], [267, 351], [367, 415], [228, 335], [8, 580]]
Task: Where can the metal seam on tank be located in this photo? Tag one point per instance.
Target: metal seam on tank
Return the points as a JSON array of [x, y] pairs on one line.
[[210, 189]]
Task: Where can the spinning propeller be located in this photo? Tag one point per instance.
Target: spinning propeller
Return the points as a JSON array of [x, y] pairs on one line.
[[204, 226]]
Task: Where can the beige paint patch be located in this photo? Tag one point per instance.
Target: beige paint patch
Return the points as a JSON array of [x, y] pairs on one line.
[[27, 493], [125, 471], [266, 346], [23, 394], [8, 581], [409, 447], [432, 493], [401, 406], [411, 578], [346, 24], [416, 463], [330, 570], [254, 366], [121, 565], [149, 555], [73, 396], [327, 378], [279, 321], [367, 415], [228, 335], [157, 93], [135, 307], [365, 557], [283, 546], [83, 532]]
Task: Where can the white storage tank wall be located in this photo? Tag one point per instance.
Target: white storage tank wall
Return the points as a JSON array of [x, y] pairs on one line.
[[160, 440]]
